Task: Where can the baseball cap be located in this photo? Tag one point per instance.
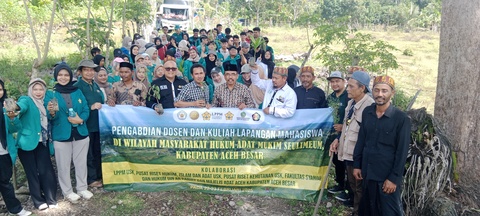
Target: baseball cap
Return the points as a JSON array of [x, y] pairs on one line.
[[335, 74], [246, 69], [363, 78]]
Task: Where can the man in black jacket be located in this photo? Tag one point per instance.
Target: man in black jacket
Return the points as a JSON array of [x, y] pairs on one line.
[[381, 152]]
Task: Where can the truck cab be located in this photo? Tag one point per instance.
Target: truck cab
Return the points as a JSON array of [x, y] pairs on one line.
[[174, 12]]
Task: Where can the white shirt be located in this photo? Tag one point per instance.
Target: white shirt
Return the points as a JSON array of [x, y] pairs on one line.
[[2, 150], [284, 102]]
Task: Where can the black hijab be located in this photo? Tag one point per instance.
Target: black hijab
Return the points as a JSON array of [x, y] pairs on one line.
[[64, 89], [209, 65], [270, 64], [155, 42], [97, 59], [132, 56], [3, 129]]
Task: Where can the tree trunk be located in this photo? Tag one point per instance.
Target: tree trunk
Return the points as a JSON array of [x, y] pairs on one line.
[[88, 29], [123, 18], [107, 36], [457, 100], [40, 58]]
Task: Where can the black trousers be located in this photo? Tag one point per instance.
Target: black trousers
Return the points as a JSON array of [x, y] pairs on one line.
[[6, 188], [94, 158], [377, 203], [339, 171], [41, 178]]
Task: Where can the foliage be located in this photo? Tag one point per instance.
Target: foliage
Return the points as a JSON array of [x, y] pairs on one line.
[[355, 49], [407, 52], [98, 30], [401, 99], [429, 163], [136, 11], [154, 92], [258, 43]]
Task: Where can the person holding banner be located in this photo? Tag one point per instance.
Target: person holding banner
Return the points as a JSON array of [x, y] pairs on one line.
[[69, 134], [381, 152], [232, 93], [196, 93], [280, 100], [127, 91]]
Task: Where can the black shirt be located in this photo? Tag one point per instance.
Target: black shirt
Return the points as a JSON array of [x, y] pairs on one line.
[[166, 94], [311, 98], [382, 145]]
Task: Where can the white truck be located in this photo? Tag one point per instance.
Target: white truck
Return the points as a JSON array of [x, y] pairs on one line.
[[174, 12]]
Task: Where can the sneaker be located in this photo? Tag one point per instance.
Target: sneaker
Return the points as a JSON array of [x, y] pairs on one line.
[[348, 203], [96, 184], [72, 197], [24, 213], [342, 196], [85, 194], [43, 206], [335, 189], [53, 206]]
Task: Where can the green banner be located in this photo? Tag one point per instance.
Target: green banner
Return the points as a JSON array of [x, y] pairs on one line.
[[217, 150]]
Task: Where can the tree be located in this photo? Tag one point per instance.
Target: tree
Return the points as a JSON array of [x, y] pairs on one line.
[[457, 98], [41, 57], [355, 49]]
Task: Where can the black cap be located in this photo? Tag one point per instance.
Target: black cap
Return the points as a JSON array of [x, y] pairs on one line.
[[231, 47], [126, 64], [231, 67], [117, 53]]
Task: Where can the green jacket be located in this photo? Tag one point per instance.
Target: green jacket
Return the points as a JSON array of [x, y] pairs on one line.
[[92, 94], [11, 127], [31, 129], [61, 127]]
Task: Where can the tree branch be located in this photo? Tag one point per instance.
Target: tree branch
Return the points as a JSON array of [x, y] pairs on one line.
[[30, 23]]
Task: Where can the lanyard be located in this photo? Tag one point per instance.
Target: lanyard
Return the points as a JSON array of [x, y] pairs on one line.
[[273, 96]]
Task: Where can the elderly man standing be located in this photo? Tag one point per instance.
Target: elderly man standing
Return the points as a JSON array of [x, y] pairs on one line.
[[357, 89], [280, 100], [95, 99], [232, 93], [381, 152], [308, 95]]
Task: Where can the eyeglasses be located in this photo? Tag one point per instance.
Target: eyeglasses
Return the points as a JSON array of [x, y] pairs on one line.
[[170, 68]]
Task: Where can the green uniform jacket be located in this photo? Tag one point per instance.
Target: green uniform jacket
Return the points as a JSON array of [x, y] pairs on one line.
[[31, 129], [92, 94], [11, 127], [61, 127]]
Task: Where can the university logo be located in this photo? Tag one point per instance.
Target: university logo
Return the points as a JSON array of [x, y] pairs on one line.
[[194, 115], [256, 116], [206, 116], [182, 115], [229, 115], [243, 114]]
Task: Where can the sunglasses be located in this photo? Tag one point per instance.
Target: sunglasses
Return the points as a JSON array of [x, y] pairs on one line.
[[170, 68]]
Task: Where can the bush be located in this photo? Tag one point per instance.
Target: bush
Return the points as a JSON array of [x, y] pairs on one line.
[[401, 99], [407, 52]]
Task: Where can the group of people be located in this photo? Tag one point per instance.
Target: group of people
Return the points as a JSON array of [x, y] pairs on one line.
[[180, 71], [370, 145]]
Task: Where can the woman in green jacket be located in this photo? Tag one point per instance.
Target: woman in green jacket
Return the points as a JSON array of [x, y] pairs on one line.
[[8, 154], [33, 149], [69, 133]]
